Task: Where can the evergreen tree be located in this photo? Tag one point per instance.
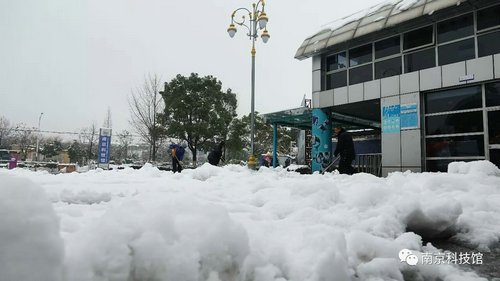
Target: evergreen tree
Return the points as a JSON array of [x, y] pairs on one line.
[[198, 111], [238, 143], [51, 148], [76, 152]]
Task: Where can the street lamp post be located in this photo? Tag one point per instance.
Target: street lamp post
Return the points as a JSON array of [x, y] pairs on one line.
[[38, 136], [257, 21]]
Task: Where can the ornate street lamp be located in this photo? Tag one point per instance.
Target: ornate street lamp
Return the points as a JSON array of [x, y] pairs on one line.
[[257, 21]]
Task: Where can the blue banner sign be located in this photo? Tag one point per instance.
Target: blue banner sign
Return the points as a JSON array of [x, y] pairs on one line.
[[409, 116], [104, 146], [391, 119]]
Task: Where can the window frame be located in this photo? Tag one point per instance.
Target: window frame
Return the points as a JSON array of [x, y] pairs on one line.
[[335, 72], [485, 133], [433, 48], [456, 157], [400, 35], [361, 64], [326, 73], [338, 69], [386, 59], [450, 113], [474, 28], [474, 37], [481, 35], [405, 52], [484, 30], [433, 43]]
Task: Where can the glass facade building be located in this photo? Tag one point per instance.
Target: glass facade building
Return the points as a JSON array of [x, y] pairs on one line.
[[444, 65]]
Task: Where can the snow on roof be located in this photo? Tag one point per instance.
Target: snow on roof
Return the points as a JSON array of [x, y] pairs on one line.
[[378, 17]]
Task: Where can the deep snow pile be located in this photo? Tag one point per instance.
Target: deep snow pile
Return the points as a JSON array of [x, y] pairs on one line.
[[230, 223], [31, 248]]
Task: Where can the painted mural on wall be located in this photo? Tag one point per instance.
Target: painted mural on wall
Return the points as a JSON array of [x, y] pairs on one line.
[[321, 139]]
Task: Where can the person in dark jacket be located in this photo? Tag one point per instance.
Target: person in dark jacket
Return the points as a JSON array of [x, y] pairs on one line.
[[177, 156], [215, 155], [345, 148]]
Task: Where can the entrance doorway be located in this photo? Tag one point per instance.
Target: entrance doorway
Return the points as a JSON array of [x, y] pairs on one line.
[[494, 136]]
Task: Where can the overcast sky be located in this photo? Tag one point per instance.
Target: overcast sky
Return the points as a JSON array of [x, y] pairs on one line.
[[72, 59]]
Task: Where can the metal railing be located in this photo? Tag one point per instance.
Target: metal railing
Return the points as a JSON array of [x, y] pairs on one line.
[[369, 163]]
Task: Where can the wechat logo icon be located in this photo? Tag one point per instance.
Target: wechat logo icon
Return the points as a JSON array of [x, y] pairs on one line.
[[407, 256]]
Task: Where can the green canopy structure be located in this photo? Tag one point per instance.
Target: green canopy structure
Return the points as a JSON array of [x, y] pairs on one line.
[[301, 118]]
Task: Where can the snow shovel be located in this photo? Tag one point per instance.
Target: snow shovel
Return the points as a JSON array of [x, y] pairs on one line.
[[331, 164], [180, 162]]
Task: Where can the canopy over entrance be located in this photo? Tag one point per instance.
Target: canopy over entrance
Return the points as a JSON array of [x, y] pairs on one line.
[[301, 118], [354, 118]]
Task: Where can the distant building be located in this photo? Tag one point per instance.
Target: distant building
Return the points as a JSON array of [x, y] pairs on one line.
[[62, 157]]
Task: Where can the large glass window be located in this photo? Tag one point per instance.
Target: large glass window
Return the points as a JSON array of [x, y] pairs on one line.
[[493, 94], [360, 55], [438, 165], [489, 17], [387, 47], [488, 44], [455, 52], [495, 157], [456, 99], [468, 122], [462, 146], [418, 38], [494, 126], [442, 165], [336, 80], [455, 28], [336, 61], [455, 126], [387, 68], [420, 60], [360, 74]]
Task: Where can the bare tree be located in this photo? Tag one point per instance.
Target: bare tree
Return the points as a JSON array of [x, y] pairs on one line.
[[107, 121], [145, 104], [125, 139], [6, 129], [26, 140], [89, 136]]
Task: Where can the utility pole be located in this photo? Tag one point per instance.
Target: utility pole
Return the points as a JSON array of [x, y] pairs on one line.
[[38, 136]]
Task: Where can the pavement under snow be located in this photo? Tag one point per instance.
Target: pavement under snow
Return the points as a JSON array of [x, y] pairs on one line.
[[225, 224]]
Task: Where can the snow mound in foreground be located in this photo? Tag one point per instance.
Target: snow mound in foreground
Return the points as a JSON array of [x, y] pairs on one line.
[[476, 167], [204, 172], [180, 239], [31, 248], [230, 223], [84, 197]]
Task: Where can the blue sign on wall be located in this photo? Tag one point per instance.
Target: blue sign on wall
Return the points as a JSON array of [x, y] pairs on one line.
[[104, 145], [409, 116], [391, 119]]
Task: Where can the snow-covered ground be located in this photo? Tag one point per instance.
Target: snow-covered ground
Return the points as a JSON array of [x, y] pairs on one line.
[[230, 223]]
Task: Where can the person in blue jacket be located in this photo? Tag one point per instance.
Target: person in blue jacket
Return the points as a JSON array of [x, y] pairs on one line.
[[177, 156]]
